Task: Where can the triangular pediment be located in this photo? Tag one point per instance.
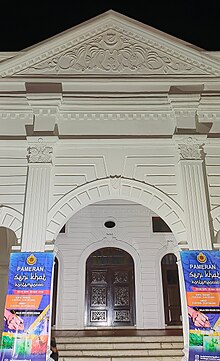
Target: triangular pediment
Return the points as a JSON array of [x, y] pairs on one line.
[[111, 45]]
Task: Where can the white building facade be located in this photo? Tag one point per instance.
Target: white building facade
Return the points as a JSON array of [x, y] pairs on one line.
[[105, 128]]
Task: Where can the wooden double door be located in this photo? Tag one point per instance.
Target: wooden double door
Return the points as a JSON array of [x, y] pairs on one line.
[[110, 297]]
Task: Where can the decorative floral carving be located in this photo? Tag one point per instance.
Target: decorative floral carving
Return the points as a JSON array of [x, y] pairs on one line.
[[190, 149], [40, 153], [112, 52]]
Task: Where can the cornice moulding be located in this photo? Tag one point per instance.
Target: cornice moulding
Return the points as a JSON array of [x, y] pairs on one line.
[[117, 115], [116, 107], [16, 114], [136, 143], [43, 139], [212, 142], [4, 55], [200, 138], [44, 102], [13, 144]]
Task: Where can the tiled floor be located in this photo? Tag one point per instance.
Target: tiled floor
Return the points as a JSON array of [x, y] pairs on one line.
[[118, 332]]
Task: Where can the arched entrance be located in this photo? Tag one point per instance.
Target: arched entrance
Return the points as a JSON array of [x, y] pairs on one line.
[[171, 290], [110, 285]]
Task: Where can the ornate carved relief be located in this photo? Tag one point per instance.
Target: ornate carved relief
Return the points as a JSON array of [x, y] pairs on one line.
[[114, 50], [99, 277], [40, 153], [98, 316], [115, 182], [120, 277], [121, 296], [122, 316], [190, 148], [98, 297]]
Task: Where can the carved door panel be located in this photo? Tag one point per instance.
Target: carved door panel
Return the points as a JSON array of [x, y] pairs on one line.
[[110, 296], [122, 297], [97, 297]]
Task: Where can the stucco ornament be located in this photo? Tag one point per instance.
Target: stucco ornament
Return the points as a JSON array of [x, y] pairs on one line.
[[190, 149], [112, 52], [40, 153], [115, 182]]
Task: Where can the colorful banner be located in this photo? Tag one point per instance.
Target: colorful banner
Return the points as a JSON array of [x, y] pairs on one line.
[[201, 271], [27, 310]]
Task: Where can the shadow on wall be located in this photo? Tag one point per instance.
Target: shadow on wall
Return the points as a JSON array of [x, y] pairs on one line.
[[7, 240]]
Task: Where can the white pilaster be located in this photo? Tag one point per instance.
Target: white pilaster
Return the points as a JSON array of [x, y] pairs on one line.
[[194, 192], [185, 320], [37, 193]]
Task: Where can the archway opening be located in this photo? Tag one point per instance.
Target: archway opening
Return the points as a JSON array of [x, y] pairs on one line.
[[133, 232], [171, 291], [110, 288]]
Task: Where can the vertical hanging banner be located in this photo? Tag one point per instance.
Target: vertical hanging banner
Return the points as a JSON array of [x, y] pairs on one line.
[[201, 271], [27, 310]]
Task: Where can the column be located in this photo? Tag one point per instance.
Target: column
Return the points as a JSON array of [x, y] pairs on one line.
[[37, 193], [194, 192]]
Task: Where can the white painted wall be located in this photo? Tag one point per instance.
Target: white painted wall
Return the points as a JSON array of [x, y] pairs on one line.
[[212, 169], [7, 239], [85, 232], [13, 173], [77, 162], [151, 161]]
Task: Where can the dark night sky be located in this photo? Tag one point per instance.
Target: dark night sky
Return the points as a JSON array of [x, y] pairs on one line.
[[24, 23]]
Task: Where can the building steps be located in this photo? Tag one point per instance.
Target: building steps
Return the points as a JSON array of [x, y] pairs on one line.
[[120, 348]]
